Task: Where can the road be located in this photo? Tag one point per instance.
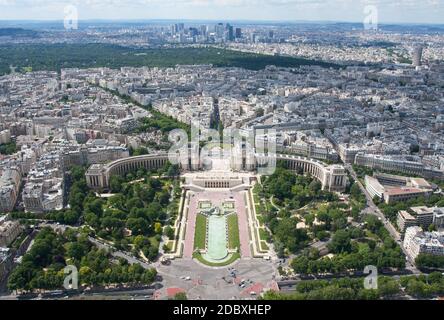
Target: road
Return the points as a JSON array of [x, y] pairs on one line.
[[120, 254], [374, 210]]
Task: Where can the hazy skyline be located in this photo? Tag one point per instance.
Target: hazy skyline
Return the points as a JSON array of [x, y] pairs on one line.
[[389, 11]]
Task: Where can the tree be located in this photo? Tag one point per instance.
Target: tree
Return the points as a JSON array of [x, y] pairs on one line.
[[414, 148], [424, 260], [387, 286], [76, 250], [149, 276], [164, 198], [153, 252], [416, 288], [260, 112], [287, 233], [173, 171], [355, 191], [309, 219], [315, 187], [432, 228], [70, 217], [20, 277], [169, 232], [180, 296], [8, 148], [115, 183], [138, 226], [134, 203], [340, 242], [117, 201], [141, 241]]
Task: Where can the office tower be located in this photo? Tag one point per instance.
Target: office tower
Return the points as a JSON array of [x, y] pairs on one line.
[[203, 30], [219, 30], [238, 33], [230, 33], [417, 55], [174, 29], [193, 32], [271, 34], [181, 27]]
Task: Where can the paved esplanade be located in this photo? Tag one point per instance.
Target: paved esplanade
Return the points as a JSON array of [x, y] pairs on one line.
[[217, 197], [216, 283]]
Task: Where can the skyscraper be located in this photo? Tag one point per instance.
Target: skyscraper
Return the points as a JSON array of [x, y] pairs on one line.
[[174, 29], [203, 30], [230, 33], [219, 29], [417, 55], [238, 33]]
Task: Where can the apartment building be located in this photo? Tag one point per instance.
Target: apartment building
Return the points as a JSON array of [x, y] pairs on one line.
[[9, 188], [416, 242], [9, 231]]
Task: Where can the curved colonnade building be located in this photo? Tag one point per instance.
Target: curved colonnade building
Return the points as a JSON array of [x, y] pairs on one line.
[[332, 177]]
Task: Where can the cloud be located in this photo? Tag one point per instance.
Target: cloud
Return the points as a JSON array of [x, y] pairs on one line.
[[346, 10], [246, 3]]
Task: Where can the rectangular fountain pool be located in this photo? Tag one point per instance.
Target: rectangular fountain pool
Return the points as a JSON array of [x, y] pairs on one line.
[[217, 239]]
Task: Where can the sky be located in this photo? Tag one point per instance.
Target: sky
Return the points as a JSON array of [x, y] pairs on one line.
[[387, 11]]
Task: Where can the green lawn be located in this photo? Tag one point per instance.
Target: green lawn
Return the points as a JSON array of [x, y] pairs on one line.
[[263, 234], [233, 258], [264, 245], [259, 209], [260, 218], [200, 233], [233, 232], [169, 245], [154, 242]]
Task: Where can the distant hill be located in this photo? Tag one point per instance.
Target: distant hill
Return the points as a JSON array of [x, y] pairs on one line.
[[18, 33]]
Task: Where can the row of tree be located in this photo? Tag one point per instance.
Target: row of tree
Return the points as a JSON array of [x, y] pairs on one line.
[[79, 195], [338, 289], [391, 210], [424, 286], [429, 261]]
